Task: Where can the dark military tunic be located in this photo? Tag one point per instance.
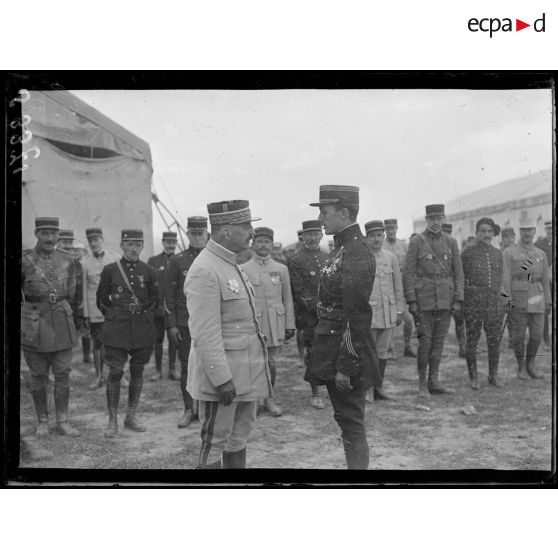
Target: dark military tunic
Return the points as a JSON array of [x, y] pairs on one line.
[[433, 274], [343, 339], [545, 245], [48, 284], [305, 269], [482, 271], [160, 263], [173, 291], [126, 326]]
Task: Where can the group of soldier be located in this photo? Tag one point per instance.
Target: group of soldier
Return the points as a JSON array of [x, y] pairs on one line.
[[228, 321]]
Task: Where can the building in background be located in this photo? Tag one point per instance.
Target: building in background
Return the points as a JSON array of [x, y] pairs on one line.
[[85, 169], [507, 202]]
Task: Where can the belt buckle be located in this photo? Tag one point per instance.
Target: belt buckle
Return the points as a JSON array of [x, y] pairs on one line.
[[133, 307], [52, 298], [329, 308]]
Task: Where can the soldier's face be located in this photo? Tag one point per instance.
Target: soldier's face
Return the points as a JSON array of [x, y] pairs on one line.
[[95, 243], [485, 234], [131, 249], [169, 246], [312, 239], [332, 219], [375, 239], [262, 245], [65, 244], [527, 235], [391, 232], [47, 239], [548, 231], [198, 239], [435, 222], [508, 240], [239, 237]]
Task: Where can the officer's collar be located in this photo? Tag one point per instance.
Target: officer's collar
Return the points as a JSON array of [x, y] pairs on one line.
[[263, 260], [129, 262], [168, 254], [351, 232], [311, 249], [221, 251]]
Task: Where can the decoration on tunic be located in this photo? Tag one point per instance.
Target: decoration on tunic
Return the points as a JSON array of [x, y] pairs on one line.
[[232, 285], [142, 281]]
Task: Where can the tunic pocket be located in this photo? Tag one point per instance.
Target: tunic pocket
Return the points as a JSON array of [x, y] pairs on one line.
[[30, 328], [70, 322], [237, 355]]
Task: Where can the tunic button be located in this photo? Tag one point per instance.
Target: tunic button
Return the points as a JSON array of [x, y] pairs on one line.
[[332, 331]]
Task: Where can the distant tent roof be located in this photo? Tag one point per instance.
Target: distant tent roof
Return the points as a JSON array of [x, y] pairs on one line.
[[62, 117], [529, 186]]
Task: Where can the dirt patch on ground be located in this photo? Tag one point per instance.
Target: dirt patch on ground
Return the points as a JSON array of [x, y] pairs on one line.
[[512, 427]]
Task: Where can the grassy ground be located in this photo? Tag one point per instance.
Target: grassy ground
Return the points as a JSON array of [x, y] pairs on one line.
[[511, 429]]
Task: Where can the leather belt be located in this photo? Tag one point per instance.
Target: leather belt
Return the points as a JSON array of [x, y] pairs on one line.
[[52, 298], [133, 308]]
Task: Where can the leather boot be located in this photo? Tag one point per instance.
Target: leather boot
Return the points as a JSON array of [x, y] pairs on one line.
[[473, 373], [357, 455], [134, 392], [99, 381], [113, 396], [521, 374], [423, 387], [186, 419], [530, 367], [86, 347], [41, 408], [379, 393], [408, 352], [234, 459], [434, 386], [173, 374], [156, 376], [61, 402]]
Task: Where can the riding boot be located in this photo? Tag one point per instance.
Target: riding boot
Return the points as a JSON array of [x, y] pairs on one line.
[[41, 408], [423, 386], [473, 373], [216, 465], [532, 348], [434, 387], [134, 392], [521, 374], [86, 347], [99, 381], [357, 455], [172, 362], [493, 360], [379, 393], [61, 402], [158, 363], [113, 397], [234, 459]]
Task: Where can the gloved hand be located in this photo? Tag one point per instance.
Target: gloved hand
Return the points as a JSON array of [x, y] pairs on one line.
[[87, 323], [227, 393], [456, 310], [413, 308], [343, 382], [399, 319], [289, 333], [174, 336]]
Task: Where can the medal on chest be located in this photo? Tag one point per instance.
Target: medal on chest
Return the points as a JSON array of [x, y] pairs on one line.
[[275, 279], [142, 281], [232, 285]]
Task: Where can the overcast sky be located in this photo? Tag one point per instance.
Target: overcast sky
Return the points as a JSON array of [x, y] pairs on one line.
[[404, 148]]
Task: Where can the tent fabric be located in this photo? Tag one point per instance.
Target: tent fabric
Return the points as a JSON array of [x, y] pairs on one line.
[[61, 116], [113, 193]]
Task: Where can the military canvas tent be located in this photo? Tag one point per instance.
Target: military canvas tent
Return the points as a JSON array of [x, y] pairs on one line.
[[90, 171]]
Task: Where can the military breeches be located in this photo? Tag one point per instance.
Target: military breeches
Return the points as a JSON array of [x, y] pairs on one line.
[[159, 323], [224, 428], [41, 363], [382, 338], [348, 412], [492, 323], [116, 359], [95, 330], [522, 320], [183, 354], [432, 329], [272, 356]]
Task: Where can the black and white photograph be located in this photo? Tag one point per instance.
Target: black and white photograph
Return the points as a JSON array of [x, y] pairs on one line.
[[294, 275]]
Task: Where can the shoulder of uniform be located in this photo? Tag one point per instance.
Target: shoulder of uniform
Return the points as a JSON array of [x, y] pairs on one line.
[[64, 252]]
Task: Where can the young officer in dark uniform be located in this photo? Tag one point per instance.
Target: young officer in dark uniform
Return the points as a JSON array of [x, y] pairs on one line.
[[433, 284], [483, 305], [48, 333], [160, 263], [343, 352], [127, 296], [175, 306], [305, 268]]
